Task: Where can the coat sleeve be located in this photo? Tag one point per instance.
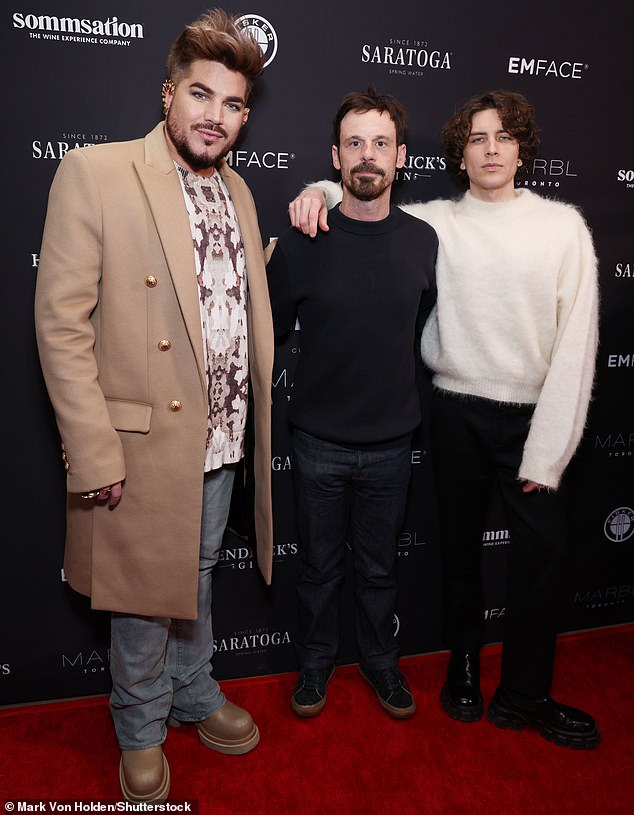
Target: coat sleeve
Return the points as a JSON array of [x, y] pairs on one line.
[[66, 310]]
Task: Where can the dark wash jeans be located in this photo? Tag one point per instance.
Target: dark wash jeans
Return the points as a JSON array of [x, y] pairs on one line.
[[355, 496], [475, 443]]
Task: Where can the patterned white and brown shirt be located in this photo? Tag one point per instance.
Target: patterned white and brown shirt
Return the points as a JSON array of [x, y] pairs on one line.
[[221, 273]]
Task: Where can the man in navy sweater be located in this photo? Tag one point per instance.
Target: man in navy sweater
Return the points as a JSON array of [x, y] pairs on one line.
[[361, 292]]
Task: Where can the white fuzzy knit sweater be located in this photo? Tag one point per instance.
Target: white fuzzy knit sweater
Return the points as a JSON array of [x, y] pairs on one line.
[[517, 314]]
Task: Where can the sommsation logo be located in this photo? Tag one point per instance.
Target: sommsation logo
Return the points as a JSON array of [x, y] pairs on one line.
[[262, 32], [626, 177], [496, 537], [111, 31]]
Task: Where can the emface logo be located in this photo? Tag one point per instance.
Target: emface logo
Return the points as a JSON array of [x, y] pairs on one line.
[[619, 525], [551, 68], [267, 160], [262, 32], [620, 360]]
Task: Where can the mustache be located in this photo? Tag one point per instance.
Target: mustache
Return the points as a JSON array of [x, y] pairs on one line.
[[367, 167], [213, 127]]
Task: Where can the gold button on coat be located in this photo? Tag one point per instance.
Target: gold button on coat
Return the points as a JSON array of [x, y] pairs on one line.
[[164, 345], [175, 405], [151, 281]]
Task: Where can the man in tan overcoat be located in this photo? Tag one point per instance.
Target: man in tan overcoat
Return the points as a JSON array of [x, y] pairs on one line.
[[152, 311]]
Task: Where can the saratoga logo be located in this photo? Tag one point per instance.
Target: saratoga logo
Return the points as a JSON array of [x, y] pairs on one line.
[[248, 642], [74, 29], [406, 56], [624, 270], [57, 149], [262, 32]]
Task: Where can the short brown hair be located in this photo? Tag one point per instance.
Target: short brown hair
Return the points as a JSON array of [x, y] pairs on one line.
[[361, 102], [216, 36], [518, 119]]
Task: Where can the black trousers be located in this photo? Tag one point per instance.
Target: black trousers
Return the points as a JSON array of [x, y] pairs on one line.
[[476, 443]]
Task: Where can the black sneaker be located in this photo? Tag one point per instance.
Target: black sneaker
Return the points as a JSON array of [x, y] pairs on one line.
[[391, 690], [563, 725], [309, 695]]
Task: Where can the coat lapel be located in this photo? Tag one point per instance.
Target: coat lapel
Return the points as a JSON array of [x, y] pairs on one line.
[[165, 198]]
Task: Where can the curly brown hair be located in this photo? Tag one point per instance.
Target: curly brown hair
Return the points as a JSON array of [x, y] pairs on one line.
[[216, 36], [518, 119]]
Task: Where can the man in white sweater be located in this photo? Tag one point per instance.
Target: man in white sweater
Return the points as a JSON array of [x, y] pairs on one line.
[[511, 346]]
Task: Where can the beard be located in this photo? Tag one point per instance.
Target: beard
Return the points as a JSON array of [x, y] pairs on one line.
[[197, 161], [366, 189]]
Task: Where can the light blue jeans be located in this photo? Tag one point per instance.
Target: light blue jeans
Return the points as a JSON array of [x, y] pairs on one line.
[[162, 666]]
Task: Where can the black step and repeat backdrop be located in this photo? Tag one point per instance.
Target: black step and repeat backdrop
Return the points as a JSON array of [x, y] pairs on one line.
[[81, 73]]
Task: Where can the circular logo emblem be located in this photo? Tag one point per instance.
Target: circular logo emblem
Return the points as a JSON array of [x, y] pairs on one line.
[[262, 32], [397, 624], [619, 525]]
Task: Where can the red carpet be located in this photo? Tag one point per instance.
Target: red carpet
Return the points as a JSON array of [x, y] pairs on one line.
[[354, 758]]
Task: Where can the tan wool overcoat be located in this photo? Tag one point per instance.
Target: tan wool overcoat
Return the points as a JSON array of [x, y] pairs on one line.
[[120, 342]]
